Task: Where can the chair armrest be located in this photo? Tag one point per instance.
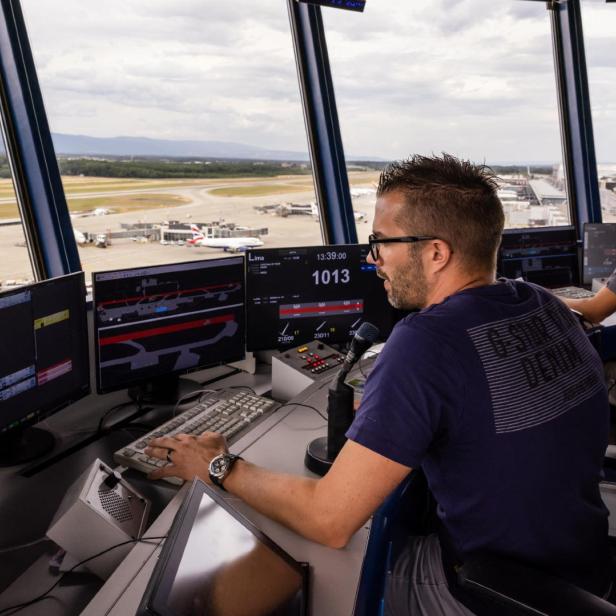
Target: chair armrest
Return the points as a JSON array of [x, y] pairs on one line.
[[527, 590]]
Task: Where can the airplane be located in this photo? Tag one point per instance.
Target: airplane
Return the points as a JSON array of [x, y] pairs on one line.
[[228, 244], [362, 192], [314, 210]]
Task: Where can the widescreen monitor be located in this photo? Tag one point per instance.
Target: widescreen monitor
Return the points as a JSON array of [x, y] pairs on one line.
[[295, 295], [44, 361], [154, 323], [599, 250], [547, 256]]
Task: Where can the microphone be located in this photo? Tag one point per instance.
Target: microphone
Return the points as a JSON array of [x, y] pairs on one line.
[[321, 452], [364, 338]]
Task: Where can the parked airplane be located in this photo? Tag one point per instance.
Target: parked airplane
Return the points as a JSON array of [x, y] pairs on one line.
[[314, 210], [362, 192], [229, 244]]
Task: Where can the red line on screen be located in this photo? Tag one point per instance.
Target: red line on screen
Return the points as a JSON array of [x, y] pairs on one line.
[[165, 294], [309, 309], [53, 372], [167, 329]]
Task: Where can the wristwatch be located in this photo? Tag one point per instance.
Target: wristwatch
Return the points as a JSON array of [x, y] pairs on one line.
[[220, 467]]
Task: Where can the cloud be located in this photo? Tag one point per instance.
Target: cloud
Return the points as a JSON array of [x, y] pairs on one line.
[[467, 75]]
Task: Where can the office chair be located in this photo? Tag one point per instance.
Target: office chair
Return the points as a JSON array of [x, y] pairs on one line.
[[510, 589], [495, 586], [408, 509]]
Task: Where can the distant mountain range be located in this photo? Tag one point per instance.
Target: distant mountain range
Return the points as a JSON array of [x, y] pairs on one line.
[[83, 145]]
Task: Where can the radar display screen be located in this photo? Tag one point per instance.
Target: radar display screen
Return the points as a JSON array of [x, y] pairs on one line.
[[295, 295], [44, 362], [167, 319], [599, 250]]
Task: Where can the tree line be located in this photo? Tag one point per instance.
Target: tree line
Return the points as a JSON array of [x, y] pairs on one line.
[[185, 169], [158, 169]]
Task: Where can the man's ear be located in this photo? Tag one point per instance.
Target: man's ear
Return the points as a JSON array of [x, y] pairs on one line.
[[440, 254]]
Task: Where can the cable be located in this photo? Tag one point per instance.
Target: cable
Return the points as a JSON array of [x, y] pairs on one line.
[[362, 358], [112, 410], [20, 606], [304, 405], [198, 392], [241, 387], [14, 548]]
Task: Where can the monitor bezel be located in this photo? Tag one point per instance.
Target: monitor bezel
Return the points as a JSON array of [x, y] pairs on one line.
[[152, 602], [137, 382], [32, 417]]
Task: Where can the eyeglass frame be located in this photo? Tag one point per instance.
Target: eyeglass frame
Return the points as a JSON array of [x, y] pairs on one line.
[[374, 241]]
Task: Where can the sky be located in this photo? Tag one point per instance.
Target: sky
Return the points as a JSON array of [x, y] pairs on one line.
[[470, 77]]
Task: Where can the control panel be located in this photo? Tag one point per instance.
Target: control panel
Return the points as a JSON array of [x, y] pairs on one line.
[[295, 369]]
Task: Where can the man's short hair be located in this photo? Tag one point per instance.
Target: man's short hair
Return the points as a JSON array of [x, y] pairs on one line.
[[451, 199]]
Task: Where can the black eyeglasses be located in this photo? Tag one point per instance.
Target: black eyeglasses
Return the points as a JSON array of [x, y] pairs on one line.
[[375, 242]]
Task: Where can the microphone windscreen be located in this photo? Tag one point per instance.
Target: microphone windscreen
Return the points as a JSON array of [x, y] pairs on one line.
[[368, 332]]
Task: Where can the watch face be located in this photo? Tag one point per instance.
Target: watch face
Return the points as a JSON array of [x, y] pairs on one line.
[[219, 465]]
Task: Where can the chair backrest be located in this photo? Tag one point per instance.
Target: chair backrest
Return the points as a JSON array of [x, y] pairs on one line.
[[501, 586], [403, 507]]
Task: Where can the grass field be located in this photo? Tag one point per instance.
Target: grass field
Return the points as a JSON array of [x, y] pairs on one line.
[[127, 203], [260, 190], [120, 203]]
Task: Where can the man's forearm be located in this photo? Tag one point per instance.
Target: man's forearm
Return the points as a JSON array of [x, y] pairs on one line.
[[291, 500], [328, 510]]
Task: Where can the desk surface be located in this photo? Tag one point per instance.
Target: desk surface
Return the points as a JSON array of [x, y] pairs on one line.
[[278, 444]]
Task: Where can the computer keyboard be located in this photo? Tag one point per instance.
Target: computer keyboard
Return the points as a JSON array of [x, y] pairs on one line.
[[573, 292], [229, 413]]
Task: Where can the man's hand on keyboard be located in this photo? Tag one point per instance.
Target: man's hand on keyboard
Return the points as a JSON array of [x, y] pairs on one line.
[[188, 456]]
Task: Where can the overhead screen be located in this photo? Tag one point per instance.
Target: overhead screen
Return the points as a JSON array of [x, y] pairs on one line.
[[349, 5], [151, 322], [295, 295], [599, 250]]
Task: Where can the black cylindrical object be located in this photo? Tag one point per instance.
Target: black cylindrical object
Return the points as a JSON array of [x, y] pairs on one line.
[[339, 417]]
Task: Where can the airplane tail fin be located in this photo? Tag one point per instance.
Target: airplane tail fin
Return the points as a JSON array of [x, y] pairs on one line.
[[195, 230], [196, 234]]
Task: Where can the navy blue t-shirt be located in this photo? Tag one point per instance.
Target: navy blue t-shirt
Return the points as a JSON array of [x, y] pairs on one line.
[[498, 395]]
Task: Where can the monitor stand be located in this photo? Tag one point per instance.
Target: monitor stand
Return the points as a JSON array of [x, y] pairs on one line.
[[163, 390], [24, 444]]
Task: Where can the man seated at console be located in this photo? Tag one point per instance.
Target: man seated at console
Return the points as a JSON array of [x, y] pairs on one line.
[[491, 388]]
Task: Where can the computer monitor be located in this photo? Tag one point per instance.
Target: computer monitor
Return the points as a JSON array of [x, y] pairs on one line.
[[295, 295], [547, 256], [44, 361], [152, 324], [215, 561], [599, 250]]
